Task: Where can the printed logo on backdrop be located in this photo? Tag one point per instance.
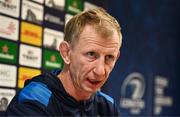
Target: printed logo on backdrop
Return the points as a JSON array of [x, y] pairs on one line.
[[32, 12], [10, 7], [56, 4], [30, 56], [54, 19], [26, 73], [8, 52], [52, 60], [160, 100], [39, 1], [8, 75], [74, 6], [132, 92], [9, 28], [68, 17], [88, 5], [6, 96], [31, 34], [52, 38]]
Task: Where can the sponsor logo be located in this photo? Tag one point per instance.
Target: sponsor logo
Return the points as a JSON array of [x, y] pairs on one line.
[[10, 7], [8, 4], [52, 60], [32, 12], [160, 99], [5, 49], [54, 19], [26, 73], [7, 75], [8, 52], [31, 34], [9, 28], [30, 56], [56, 4], [6, 96], [132, 92], [74, 6], [52, 38]]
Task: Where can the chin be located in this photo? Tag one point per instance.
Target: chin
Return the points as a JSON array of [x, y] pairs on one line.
[[90, 90]]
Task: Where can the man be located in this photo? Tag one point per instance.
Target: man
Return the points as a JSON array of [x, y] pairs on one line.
[[89, 51]]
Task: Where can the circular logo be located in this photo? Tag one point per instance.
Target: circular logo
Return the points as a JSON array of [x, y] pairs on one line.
[[132, 91]]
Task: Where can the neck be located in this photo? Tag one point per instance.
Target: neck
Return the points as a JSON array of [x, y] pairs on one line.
[[70, 87]]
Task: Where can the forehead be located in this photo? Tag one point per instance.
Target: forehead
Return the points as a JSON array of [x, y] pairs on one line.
[[90, 37]]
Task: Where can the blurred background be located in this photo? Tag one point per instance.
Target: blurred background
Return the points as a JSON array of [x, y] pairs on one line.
[[145, 81]]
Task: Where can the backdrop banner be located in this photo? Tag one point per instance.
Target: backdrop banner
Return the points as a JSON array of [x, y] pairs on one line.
[[145, 80]]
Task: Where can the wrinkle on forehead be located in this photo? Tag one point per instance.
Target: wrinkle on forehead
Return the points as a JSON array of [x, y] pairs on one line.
[[107, 38], [102, 43], [110, 37]]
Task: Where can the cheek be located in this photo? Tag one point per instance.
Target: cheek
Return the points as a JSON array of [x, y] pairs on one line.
[[108, 70], [76, 66], [111, 66]]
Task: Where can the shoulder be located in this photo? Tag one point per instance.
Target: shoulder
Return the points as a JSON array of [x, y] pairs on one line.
[[106, 105], [35, 91], [105, 97]]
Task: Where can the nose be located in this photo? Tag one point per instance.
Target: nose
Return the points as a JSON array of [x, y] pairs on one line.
[[99, 68]]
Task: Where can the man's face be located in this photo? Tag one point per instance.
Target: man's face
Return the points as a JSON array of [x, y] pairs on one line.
[[92, 59]]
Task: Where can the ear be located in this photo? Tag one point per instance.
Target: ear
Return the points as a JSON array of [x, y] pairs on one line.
[[64, 50]]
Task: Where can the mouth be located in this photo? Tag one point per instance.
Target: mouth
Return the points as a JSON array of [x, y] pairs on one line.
[[93, 82]]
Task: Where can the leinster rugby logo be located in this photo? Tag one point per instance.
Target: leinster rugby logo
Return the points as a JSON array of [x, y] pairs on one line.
[[132, 91]]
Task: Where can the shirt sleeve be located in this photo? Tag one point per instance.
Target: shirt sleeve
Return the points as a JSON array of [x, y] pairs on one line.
[[27, 108], [31, 100]]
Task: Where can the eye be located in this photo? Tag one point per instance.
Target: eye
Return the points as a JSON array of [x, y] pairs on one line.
[[91, 55], [110, 58]]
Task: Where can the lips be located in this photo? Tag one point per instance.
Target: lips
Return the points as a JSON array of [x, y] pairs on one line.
[[94, 82]]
